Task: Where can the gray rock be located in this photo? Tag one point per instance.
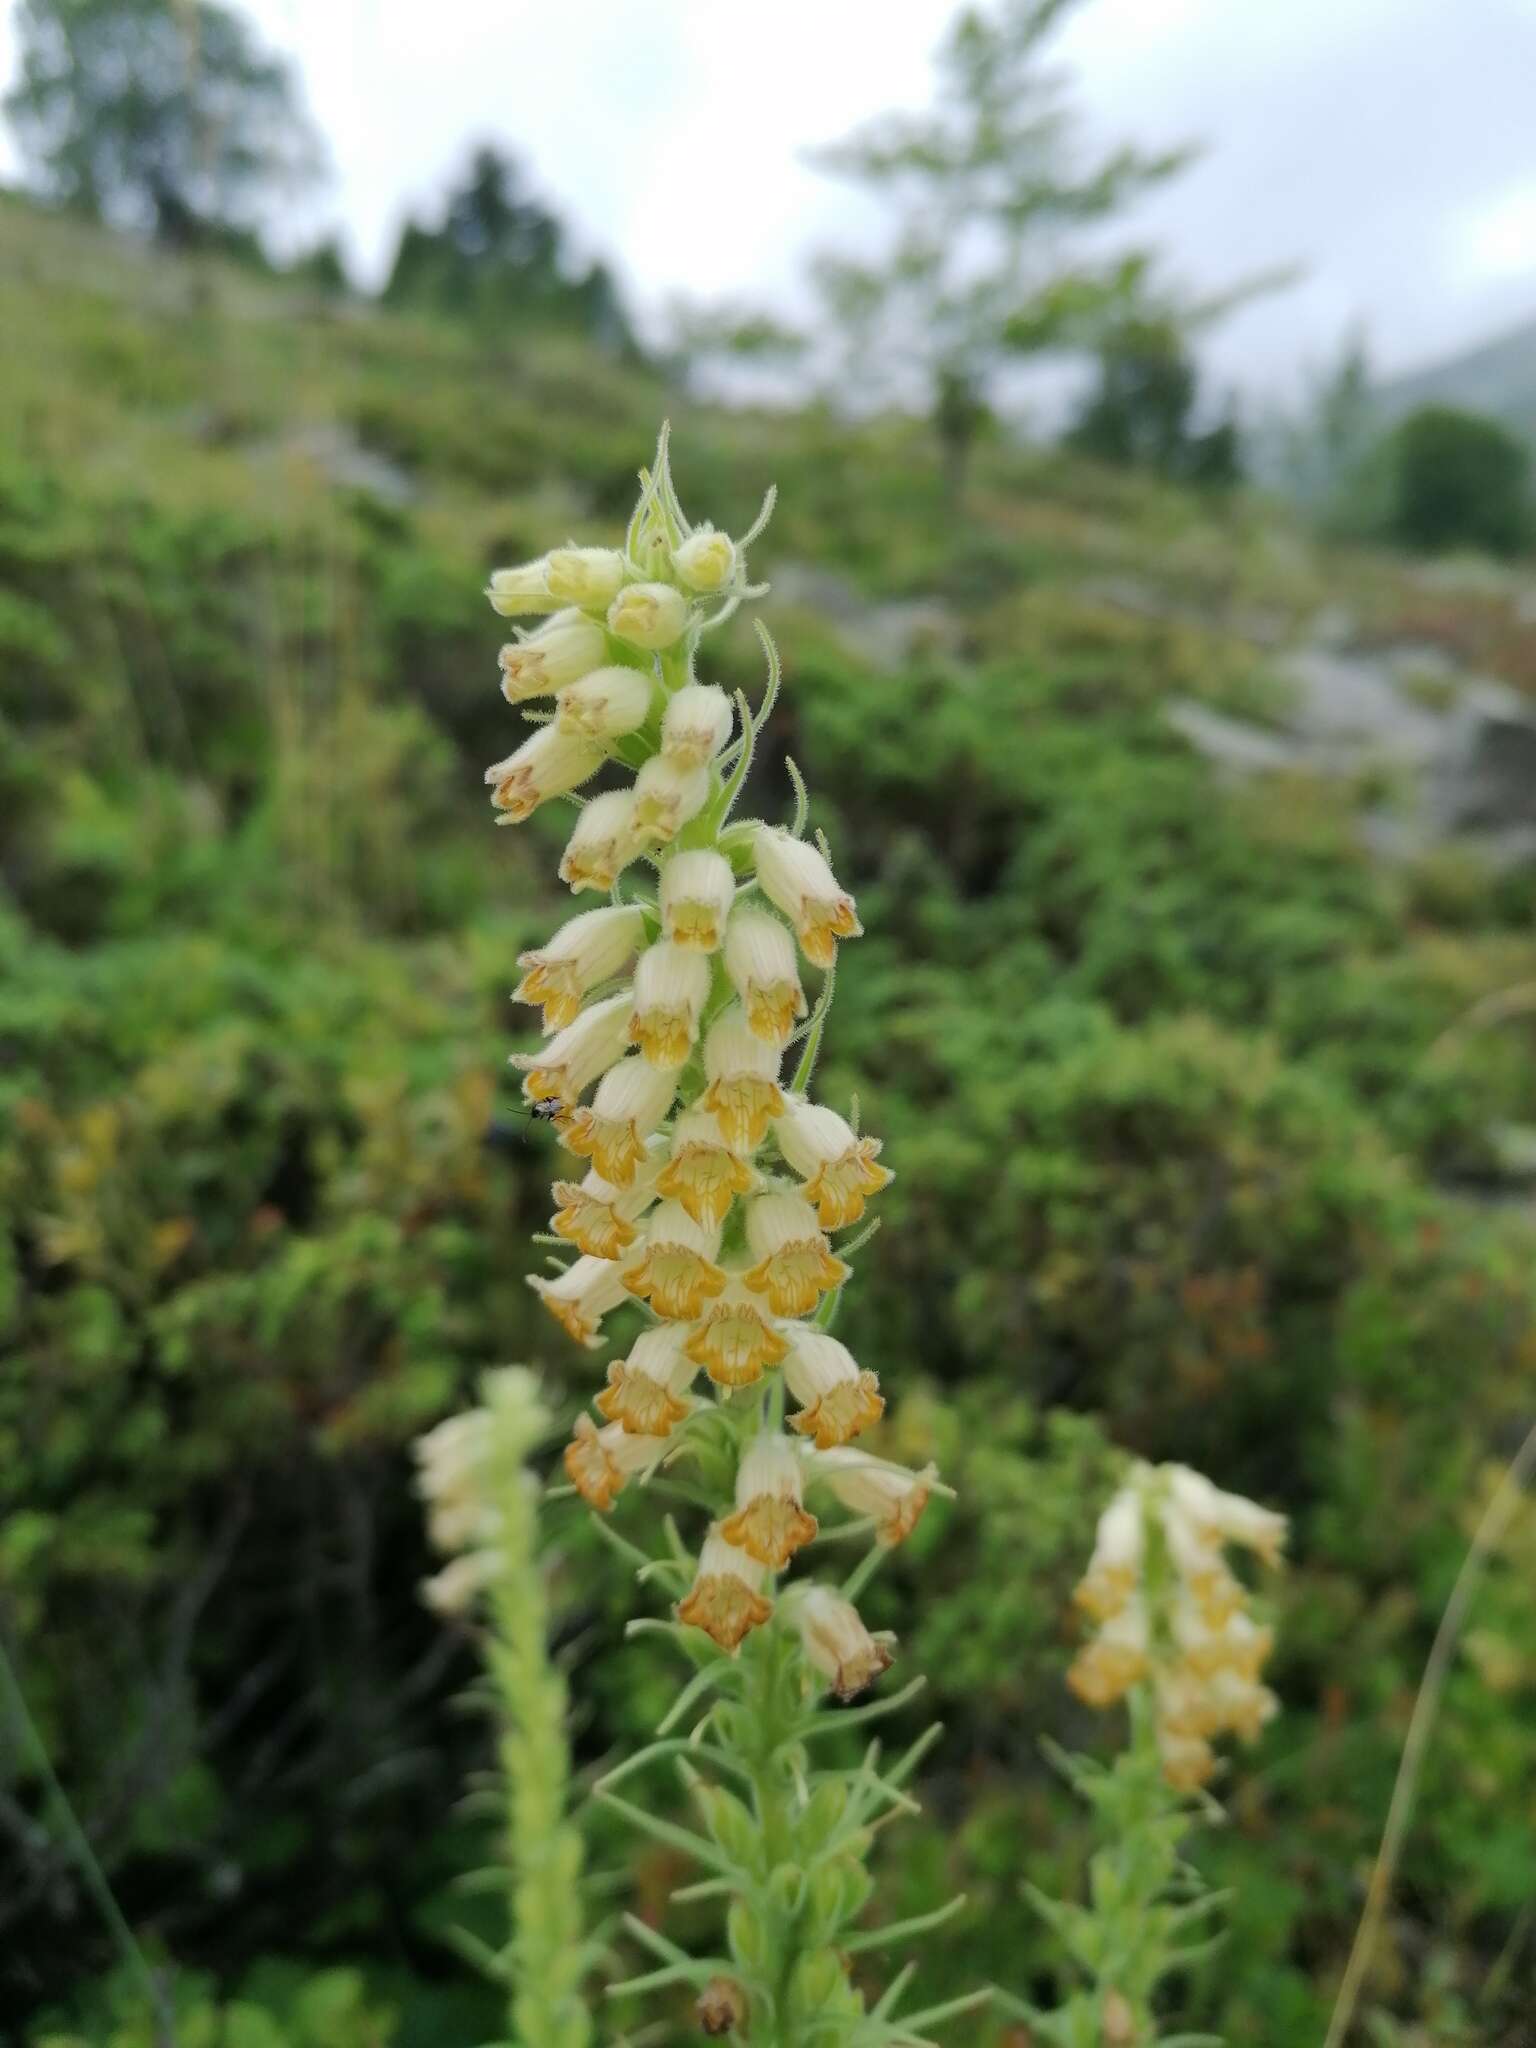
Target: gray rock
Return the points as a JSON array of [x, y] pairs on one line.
[[884, 635], [1460, 748]]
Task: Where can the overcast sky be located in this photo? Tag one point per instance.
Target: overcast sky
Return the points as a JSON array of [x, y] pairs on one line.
[[1389, 145]]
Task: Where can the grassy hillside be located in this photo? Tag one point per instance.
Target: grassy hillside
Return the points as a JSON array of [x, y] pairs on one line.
[[1184, 1168]]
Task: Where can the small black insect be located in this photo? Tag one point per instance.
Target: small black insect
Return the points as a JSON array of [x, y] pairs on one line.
[[505, 1134]]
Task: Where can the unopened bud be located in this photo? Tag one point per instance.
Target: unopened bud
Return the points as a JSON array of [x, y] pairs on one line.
[[721, 2007], [705, 561]]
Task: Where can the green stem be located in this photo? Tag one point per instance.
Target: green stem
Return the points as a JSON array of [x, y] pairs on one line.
[[34, 1751], [544, 1851]]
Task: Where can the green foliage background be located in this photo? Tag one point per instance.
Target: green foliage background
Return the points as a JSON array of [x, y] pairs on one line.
[[1177, 1174]]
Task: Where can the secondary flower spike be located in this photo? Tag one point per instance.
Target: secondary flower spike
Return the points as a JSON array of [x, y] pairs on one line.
[[1181, 1625]]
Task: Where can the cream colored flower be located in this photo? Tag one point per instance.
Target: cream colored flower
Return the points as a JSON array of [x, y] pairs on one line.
[[1112, 1662], [697, 890], [839, 1169], [742, 1071], [452, 1478], [837, 1644], [726, 1599], [796, 877], [603, 843], [837, 1399], [793, 1265], [1115, 1567], [891, 1495], [666, 798], [589, 577], [671, 984], [599, 1462], [760, 959], [599, 1218], [676, 1271], [695, 725], [588, 949], [631, 1100], [701, 1171], [649, 615], [558, 652], [581, 1296], [770, 1522], [604, 705], [549, 763], [1213, 1517], [566, 1065], [647, 1392], [735, 1339], [455, 1589]]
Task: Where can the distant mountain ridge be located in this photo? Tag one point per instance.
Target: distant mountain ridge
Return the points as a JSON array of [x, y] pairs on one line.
[[1497, 377]]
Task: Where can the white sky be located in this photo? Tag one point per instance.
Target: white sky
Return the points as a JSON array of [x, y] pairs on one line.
[[1388, 145]]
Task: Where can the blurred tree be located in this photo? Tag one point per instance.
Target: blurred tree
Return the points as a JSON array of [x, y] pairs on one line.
[[1328, 454], [1142, 409], [987, 188], [500, 255], [1459, 479], [161, 115]]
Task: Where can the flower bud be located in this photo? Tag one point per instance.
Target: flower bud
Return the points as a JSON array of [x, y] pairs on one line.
[[760, 959], [580, 1297], [666, 797], [605, 705], [837, 1399], [585, 951], [837, 1167], [796, 877], [697, 890], [649, 615], [721, 2007], [671, 985], [603, 843], [631, 1100], [566, 1065], [676, 1272], [589, 577], [564, 648], [522, 590], [837, 1644], [547, 764], [725, 1599], [706, 561], [696, 724]]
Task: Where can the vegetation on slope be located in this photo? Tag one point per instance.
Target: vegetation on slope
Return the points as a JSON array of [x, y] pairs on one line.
[[1201, 1191]]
